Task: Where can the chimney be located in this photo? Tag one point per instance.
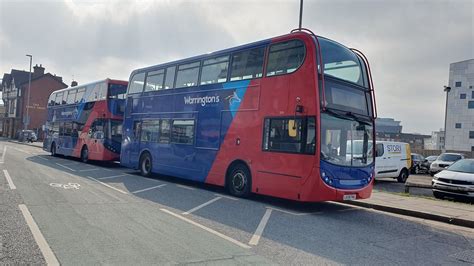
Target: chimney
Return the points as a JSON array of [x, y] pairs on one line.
[[73, 83], [38, 71]]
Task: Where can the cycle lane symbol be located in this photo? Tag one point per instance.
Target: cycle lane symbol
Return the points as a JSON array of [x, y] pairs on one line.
[[65, 186]]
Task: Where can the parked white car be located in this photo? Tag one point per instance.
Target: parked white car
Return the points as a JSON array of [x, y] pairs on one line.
[[392, 159], [456, 181], [443, 161]]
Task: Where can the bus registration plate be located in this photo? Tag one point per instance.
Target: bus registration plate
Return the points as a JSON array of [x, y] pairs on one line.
[[349, 197]]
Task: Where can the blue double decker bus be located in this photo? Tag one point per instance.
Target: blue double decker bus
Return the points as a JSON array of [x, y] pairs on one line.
[[274, 117]]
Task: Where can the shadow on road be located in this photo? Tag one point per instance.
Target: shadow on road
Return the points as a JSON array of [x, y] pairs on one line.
[[337, 232]]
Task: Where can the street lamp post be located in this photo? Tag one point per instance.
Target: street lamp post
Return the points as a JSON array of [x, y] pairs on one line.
[[27, 118], [447, 90], [301, 14]]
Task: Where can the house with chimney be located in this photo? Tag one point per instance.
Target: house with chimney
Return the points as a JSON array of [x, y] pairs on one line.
[[15, 88]]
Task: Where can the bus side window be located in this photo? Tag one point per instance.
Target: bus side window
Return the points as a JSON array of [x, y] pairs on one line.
[[137, 126]]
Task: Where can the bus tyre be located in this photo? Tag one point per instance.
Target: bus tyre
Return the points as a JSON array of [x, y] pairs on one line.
[[239, 181], [53, 150], [84, 154], [145, 164], [403, 176]]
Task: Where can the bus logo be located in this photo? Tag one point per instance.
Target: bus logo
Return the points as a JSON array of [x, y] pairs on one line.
[[234, 98], [201, 100]]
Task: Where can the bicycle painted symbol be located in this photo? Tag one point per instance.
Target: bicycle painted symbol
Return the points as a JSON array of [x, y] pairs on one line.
[[66, 186]]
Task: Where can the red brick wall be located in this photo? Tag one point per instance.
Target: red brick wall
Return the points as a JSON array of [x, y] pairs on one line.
[[40, 90]]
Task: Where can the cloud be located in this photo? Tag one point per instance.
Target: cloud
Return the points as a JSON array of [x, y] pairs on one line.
[[410, 44]]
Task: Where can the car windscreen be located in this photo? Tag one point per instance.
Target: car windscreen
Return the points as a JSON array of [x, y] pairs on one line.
[[449, 157], [464, 166]]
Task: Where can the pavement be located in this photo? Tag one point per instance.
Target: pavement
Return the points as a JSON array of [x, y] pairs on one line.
[[104, 214]]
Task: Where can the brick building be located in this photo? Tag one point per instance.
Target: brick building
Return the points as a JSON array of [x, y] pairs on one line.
[[15, 93]]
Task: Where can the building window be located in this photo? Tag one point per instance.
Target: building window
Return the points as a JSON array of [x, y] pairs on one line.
[[458, 125], [458, 84], [472, 148], [471, 134], [472, 95], [462, 96], [470, 105]]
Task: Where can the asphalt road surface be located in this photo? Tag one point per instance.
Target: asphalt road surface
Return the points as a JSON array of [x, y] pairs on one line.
[[58, 210]]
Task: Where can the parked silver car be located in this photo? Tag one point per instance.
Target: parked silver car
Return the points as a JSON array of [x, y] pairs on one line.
[[443, 161], [456, 181]]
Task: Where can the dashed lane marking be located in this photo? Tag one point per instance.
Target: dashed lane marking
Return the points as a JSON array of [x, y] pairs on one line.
[[146, 189], [291, 212], [261, 226], [3, 154], [110, 177], [48, 254], [236, 242], [202, 205], [9, 179], [107, 185]]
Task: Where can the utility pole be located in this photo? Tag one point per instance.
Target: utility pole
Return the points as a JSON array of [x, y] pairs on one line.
[[27, 118], [447, 90], [301, 13]]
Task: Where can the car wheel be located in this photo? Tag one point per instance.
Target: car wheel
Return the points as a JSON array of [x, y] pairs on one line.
[[438, 195], [85, 154], [239, 181], [145, 164], [403, 176], [432, 174]]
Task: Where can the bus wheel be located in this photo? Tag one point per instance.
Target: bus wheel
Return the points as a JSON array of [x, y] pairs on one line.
[[84, 154], [145, 164], [239, 181], [403, 176], [53, 149]]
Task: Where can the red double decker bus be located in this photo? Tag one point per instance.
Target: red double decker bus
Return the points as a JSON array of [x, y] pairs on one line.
[[86, 121], [291, 116]]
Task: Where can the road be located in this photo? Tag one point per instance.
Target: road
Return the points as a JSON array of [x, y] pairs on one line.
[[58, 210]]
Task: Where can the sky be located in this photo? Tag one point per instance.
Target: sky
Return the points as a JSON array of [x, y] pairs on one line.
[[409, 44]]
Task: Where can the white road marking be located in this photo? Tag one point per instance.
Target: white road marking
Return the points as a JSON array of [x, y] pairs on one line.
[[41, 157], [202, 205], [238, 243], [3, 154], [65, 186], [185, 187], [146, 189], [110, 177], [107, 185], [290, 212], [69, 168], [20, 150], [88, 170], [9, 180], [225, 196], [74, 163], [48, 254], [261, 226]]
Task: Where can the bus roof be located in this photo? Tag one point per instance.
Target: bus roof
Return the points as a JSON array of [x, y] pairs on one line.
[[219, 52], [92, 83]]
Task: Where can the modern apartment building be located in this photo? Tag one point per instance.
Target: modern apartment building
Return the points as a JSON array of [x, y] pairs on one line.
[[460, 107]]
